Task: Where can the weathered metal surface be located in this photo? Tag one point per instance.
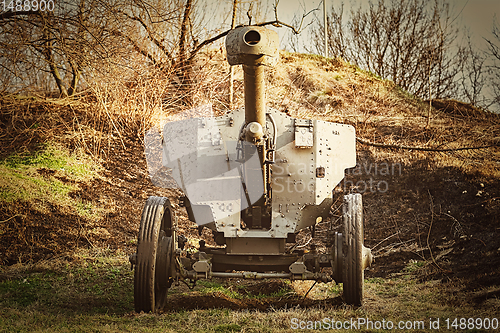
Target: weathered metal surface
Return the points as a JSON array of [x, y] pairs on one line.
[[356, 256], [254, 246], [304, 137], [298, 268], [246, 45], [253, 47], [255, 177], [255, 94], [299, 197], [203, 156]]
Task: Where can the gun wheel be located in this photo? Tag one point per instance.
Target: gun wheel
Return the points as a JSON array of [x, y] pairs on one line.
[[353, 272], [154, 264]]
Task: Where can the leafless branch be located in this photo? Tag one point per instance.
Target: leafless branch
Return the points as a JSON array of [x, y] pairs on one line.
[[9, 14], [278, 23], [150, 33], [409, 42], [249, 13]]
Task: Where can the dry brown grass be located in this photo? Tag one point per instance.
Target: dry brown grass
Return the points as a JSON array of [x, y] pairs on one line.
[[128, 101], [122, 104], [330, 89]]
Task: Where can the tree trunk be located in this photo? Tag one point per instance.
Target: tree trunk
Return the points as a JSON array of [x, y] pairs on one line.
[[183, 63], [184, 30], [49, 57], [75, 79]]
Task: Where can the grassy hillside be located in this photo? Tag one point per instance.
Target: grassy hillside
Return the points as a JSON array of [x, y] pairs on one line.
[[74, 180]]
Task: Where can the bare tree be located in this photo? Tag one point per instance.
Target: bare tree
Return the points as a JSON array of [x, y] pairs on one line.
[[175, 46], [410, 42], [299, 21], [473, 77], [60, 43], [337, 41], [231, 70], [83, 38]]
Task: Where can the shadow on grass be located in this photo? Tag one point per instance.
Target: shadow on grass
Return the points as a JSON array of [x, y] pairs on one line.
[[106, 287], [196, 300]]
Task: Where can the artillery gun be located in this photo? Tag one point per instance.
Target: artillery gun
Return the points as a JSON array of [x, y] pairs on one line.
[[255, 177]]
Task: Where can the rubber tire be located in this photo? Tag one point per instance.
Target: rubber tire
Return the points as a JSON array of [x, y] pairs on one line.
[[353, 273], [154, 256]]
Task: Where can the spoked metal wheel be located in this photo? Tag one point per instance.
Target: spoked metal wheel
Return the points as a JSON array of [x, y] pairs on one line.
[[154, 267], [356, 256]]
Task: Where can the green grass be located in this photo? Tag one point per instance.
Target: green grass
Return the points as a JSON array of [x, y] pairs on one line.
[[335, 289], [95, 294], [76, 166], [280, 293], [46, 177], [89, 288], [414, 265], [210, 287], [236, 291]]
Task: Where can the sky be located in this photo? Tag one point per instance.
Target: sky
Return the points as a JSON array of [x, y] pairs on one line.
[[476, 15]]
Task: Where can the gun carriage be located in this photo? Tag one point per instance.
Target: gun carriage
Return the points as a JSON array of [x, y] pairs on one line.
[[255, 177]]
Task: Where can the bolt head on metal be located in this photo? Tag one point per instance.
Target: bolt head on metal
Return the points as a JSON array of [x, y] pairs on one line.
[[255, 128], [254, 131]]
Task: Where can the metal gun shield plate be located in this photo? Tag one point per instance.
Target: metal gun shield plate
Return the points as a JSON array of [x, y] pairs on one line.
[[206, 169]]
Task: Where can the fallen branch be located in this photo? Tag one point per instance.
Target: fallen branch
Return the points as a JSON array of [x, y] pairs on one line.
[[381, 145], [387, 238], [390, 247], [10, 218], [429, 232], [309, 290]]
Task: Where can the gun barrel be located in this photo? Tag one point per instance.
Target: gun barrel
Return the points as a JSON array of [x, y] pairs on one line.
[[255, 97], [254, 48]]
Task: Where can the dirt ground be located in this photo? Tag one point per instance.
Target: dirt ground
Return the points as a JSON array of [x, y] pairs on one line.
[[442, 216]]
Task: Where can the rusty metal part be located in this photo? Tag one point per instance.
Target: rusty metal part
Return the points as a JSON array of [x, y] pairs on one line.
[[298, 267], [337, 258], [323, 277], [255, 94], [255, 178], [252, 275], [253, 47], [257, 263], [367, 258], [251, 44], [255, 246], [202, 267], [254, 132]]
